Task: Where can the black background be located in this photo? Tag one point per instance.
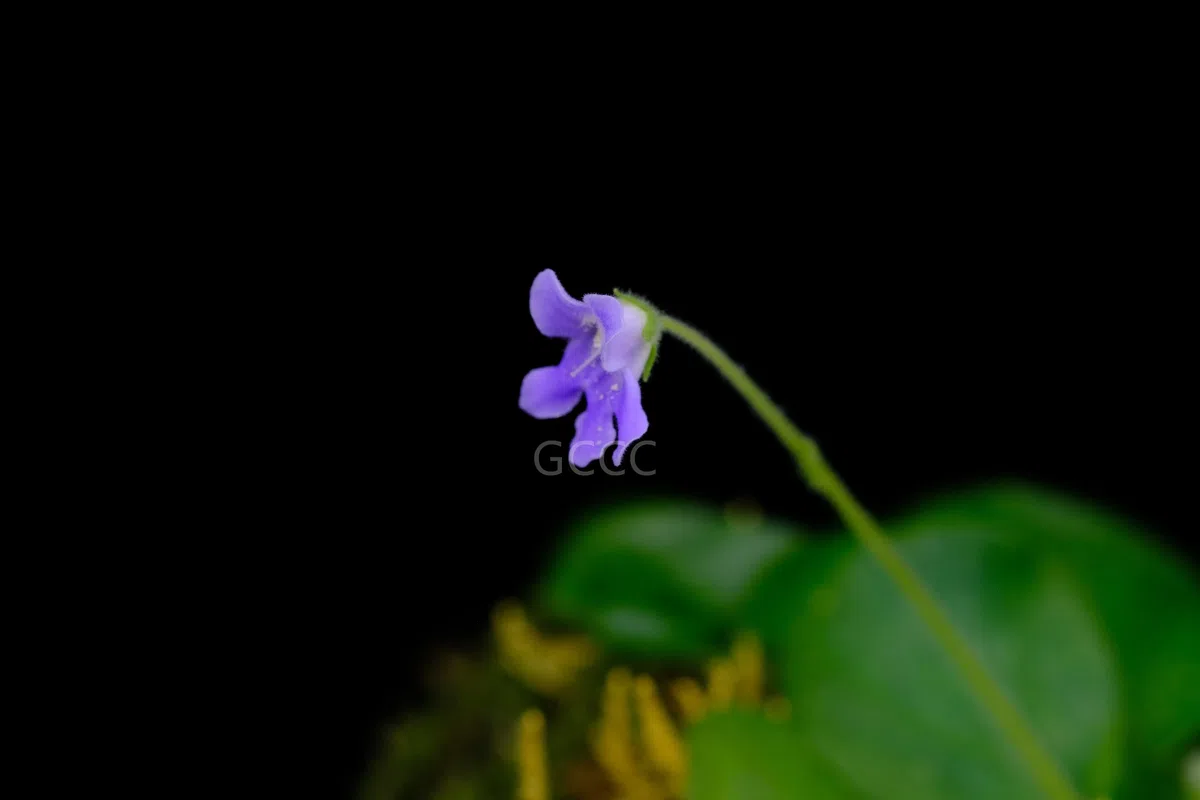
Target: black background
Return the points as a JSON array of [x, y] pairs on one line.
[[934, 310]]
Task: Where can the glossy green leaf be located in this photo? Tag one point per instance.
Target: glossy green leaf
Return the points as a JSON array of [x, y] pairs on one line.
[[1147, 599], [661, 579], [881, 701], [741, 754]]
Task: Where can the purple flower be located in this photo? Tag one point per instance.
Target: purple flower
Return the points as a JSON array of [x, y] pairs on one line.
[[606, 352]]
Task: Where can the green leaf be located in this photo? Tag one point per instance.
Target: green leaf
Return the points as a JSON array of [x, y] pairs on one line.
[[798, 576], [742, 755], [661, 579], [1148, 601], [880, 700]]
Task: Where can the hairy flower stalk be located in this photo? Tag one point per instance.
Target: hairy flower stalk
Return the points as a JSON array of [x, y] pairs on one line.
[[821, 477]]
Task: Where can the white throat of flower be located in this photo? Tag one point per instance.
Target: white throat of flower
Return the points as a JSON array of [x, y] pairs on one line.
[[597, 342], [629, 341]]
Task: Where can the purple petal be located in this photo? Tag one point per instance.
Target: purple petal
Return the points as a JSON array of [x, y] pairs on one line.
[[631, 418], [548, 392], [608, 310], [594, 431], [628, 349], [554, 312], [582, 361]]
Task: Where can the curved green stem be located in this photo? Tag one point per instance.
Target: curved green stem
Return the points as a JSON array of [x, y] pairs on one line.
[[825, 481]]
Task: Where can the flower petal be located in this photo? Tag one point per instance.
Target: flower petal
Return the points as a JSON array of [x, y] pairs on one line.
[[632, 422], [608, 310], [582, 361], [628, 349], [594, 431], [548, 392], [554, 312]]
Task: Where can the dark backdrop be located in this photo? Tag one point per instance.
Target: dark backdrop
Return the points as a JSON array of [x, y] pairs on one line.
[[970, 314]]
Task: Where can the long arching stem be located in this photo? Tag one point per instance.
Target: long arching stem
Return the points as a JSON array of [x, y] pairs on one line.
[[826, 482]]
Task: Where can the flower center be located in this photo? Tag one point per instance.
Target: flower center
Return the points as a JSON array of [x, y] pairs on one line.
[[597, 344]]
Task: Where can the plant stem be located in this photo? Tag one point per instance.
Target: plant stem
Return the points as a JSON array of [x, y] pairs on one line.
[[825, 481]]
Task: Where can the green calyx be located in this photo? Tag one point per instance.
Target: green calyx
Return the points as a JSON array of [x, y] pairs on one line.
[[653, 329]]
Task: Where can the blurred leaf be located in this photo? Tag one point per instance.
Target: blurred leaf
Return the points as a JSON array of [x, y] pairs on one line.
[[661, 579], [1191, 775], [1148, 601], [740, 754], [880, 700], [769, 608]]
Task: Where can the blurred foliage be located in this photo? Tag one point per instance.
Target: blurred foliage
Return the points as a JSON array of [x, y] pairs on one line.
[[1090, 625], [878, 696], [663, 580], [1147, 598], [437, 752], [462, 744], [740, 754]]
